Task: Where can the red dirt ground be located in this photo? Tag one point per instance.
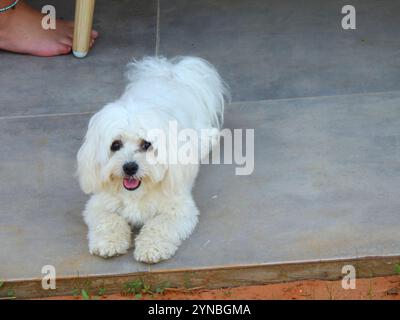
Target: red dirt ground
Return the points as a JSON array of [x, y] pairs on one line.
[[387, 288]]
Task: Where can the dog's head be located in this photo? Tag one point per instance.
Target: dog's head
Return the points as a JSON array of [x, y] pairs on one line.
[[121, 152], [117, 153]]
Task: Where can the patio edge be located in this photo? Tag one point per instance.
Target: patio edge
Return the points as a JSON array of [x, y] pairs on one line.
[[208, 278]]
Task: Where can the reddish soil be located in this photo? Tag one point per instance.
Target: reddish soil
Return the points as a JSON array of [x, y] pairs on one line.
[[387, 288]]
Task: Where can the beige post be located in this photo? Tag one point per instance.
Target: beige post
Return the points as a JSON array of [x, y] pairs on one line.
[[83, 26]]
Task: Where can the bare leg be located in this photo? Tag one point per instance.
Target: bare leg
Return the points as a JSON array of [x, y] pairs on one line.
[[21, 32]]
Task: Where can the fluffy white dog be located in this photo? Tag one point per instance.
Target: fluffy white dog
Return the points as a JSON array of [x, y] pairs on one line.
[[119, 161]]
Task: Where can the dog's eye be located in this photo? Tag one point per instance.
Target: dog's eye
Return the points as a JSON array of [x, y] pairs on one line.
[[145, 145], [116, 145]]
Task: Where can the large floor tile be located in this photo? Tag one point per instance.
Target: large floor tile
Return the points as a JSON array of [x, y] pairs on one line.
[[33, 85], [325, 185], [284, 49]]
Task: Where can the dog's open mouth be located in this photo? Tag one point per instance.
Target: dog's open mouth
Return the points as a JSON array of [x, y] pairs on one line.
[[131, 183]]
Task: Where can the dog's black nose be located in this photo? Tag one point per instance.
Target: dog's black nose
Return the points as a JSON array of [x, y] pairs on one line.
[[130, 168]]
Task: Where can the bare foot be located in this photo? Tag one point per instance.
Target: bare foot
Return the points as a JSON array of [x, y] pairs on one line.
[[21, 31]]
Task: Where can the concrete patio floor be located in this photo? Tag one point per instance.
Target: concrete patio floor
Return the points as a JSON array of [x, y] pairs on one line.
[[324, 103]]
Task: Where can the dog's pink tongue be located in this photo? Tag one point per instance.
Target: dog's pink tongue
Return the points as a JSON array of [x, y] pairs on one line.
[[131, 183]]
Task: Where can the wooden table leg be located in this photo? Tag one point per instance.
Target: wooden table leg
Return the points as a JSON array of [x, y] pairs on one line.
[[83, 27]]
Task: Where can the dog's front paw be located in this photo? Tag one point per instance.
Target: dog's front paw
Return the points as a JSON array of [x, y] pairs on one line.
[[108, 244], [153, 251], [107, 248]]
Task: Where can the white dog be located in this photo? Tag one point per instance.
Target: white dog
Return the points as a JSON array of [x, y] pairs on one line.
[[117, 162]]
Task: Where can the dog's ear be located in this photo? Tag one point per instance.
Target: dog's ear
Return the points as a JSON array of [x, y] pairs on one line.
[[90, 156]]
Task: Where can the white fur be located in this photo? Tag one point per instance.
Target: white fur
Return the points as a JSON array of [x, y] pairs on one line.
[[188, 90]]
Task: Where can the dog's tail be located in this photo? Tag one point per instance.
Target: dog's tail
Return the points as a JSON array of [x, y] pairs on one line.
[[194, 72]]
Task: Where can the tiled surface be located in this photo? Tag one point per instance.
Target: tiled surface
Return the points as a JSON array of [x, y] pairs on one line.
[[62, 84], [281, 49], [325, 185], [326, 179]]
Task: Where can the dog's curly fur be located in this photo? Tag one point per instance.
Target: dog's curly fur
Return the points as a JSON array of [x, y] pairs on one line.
[[187, 90]]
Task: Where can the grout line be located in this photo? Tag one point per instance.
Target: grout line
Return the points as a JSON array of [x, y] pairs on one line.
[[158, 29], [318, 97], [43, 115], [47, 115]]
